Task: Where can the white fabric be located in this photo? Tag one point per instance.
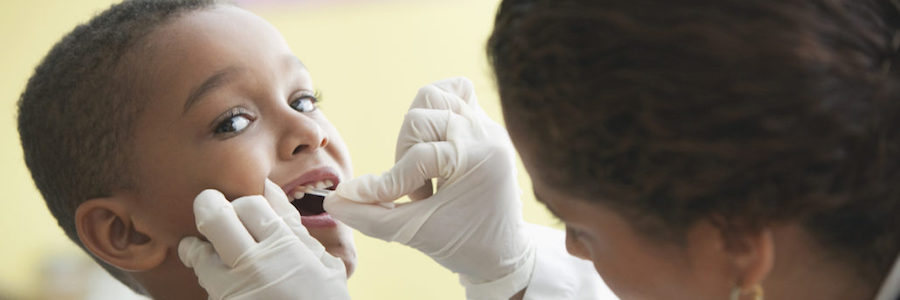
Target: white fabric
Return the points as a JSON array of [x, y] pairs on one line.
[[258, 249], [473, 224], [890, 289], [560, 276]]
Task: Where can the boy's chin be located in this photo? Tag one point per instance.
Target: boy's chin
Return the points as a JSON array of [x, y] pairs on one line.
[[338, 242]]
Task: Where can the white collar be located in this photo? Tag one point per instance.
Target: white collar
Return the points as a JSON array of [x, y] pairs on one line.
[[890, 289]]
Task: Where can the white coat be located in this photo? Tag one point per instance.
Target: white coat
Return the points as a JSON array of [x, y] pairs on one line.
[[559, 275], [890, 289]]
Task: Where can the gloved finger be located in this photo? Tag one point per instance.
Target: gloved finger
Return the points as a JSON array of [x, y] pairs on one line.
[[289, 214], [422, 126], [422, 162], [279, 201], [200, 256], [332, 262], [449, 94], [454, 94], [460, 86], [207, 265], [192, 251], [217, 221], [258, 216], [398, 224], [464, 89]]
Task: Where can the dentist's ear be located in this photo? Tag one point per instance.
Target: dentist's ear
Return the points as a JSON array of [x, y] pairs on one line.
[[754, 257], [751, 253], [730, 257], [106, 228]]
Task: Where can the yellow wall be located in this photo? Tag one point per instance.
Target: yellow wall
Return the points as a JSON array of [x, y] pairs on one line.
[[27, 30], [368, 58]]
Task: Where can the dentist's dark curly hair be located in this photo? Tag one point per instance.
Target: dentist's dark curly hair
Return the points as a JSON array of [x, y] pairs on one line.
[[77, 111], [670, 112]]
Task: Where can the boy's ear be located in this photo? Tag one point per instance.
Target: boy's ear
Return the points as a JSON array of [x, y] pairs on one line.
[[106, 228]]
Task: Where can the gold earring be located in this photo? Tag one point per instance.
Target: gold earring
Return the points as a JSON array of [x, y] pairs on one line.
[[737, 292]]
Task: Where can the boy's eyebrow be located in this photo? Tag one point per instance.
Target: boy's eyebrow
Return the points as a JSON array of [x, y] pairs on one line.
[[216, 80]]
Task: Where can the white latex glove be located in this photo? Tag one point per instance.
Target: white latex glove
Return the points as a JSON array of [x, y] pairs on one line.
[[258, 249], [473, 224]]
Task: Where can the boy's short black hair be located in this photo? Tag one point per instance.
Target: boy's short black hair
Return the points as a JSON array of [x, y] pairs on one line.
[[77, 112], [670, 112]]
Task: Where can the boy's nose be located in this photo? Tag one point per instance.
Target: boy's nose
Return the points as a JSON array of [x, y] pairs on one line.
[[301, 135]]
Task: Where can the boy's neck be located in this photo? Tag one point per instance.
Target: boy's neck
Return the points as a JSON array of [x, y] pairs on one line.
[[171, 280]]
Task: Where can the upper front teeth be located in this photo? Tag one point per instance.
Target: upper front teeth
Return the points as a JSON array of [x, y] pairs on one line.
[[324, 184], [300, 191]]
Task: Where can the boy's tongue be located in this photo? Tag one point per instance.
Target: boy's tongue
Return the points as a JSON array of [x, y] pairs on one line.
[[309, 205], [305, 198], [312, 212]]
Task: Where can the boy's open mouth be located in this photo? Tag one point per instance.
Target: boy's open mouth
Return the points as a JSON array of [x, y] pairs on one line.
[[308, 204]]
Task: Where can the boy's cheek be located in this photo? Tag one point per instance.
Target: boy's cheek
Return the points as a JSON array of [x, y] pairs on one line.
[[235, 175], [172, 204], [234, 186]]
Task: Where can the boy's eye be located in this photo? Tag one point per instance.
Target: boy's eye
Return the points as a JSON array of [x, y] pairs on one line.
[[304, 103], [233, 124]]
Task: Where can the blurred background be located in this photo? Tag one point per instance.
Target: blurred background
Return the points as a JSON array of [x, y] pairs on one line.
[[368, 57]]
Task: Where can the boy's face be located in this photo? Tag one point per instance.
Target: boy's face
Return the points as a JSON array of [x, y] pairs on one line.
[[229, 105]]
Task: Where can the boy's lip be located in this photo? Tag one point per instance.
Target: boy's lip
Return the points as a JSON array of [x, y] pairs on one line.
[[323, 220], [312, 176]]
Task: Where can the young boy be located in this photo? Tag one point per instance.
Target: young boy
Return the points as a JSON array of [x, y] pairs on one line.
[[133, 114]]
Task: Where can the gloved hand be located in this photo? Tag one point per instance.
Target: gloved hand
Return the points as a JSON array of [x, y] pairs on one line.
[[473, 224], [258, 249]]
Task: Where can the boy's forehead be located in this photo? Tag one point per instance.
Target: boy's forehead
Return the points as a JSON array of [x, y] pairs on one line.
[[219, 28], [201, 44]]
